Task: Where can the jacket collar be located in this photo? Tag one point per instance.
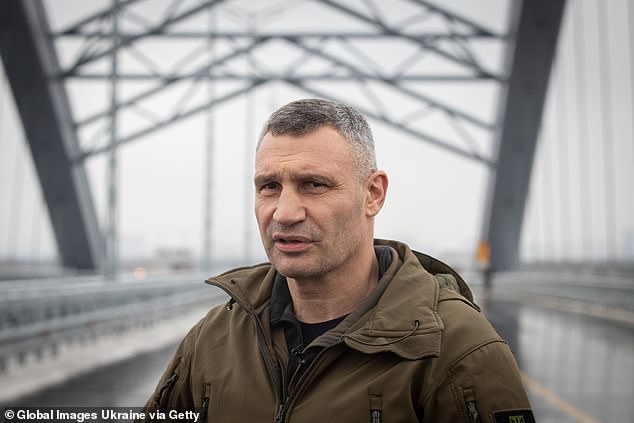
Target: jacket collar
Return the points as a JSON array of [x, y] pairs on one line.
[[400, 316]]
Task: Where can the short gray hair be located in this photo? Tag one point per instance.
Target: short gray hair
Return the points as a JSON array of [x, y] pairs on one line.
[[303, 117]]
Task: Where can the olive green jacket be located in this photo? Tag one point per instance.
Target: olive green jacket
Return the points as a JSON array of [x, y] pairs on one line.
[[415, 350]]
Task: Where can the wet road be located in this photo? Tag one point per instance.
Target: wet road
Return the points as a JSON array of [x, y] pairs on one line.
[[577, 369]]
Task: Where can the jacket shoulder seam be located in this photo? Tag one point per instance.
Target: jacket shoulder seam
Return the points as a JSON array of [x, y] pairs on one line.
[[455, 296]]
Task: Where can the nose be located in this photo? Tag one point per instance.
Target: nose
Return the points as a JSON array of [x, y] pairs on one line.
[[289, 208]]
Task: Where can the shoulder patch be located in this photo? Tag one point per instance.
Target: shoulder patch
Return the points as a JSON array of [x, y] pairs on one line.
[[513, 416]]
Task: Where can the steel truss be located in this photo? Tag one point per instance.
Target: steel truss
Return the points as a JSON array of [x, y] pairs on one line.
[[343, 56], [452, 45]]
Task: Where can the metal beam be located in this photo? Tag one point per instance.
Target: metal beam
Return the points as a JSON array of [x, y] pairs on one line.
[[122, 42], [97, 17], [29, 61], [235, 35], [455, 17], [437, 142], [169, 121], [356, 74], [234, 76], [202, 72], [393, 82], [384, 29], [535, 25]]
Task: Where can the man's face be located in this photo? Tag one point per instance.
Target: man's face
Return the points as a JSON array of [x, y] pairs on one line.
[[309, 203]]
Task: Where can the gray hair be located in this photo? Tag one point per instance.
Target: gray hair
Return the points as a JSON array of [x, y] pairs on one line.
[[303, 117]]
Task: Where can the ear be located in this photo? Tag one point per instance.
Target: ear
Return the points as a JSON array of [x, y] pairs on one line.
[[376, 190]]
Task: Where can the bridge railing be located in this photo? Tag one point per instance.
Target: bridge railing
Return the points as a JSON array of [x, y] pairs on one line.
[[39, 317]]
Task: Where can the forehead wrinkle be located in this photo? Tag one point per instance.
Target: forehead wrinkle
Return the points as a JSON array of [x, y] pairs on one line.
[[317, 153], [305, 165], [302, 173]]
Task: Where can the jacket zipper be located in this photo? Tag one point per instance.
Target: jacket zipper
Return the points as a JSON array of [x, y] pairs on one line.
[[283, 398], [280, 414], [281, 407], [270, 366], [376, 408], [205, 405], [265, 351], [301, 379], [158, 399], [301, 356], [472, 410]]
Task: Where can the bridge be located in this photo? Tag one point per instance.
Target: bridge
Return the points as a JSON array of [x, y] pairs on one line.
[[127, 134]]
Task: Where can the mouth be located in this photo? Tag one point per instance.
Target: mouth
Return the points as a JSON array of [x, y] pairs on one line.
[[289, 238], [291, 243]]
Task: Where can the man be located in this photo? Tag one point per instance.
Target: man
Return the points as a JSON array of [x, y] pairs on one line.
[[339, 327]]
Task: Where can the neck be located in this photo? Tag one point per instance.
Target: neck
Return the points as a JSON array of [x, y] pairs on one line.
[[334, 295]]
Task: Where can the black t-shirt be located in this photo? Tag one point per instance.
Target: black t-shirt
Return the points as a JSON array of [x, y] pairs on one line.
[[310, 331], [298, 334]]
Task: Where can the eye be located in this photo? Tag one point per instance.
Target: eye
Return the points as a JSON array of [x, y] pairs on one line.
[[269, 188], [315, 187]]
